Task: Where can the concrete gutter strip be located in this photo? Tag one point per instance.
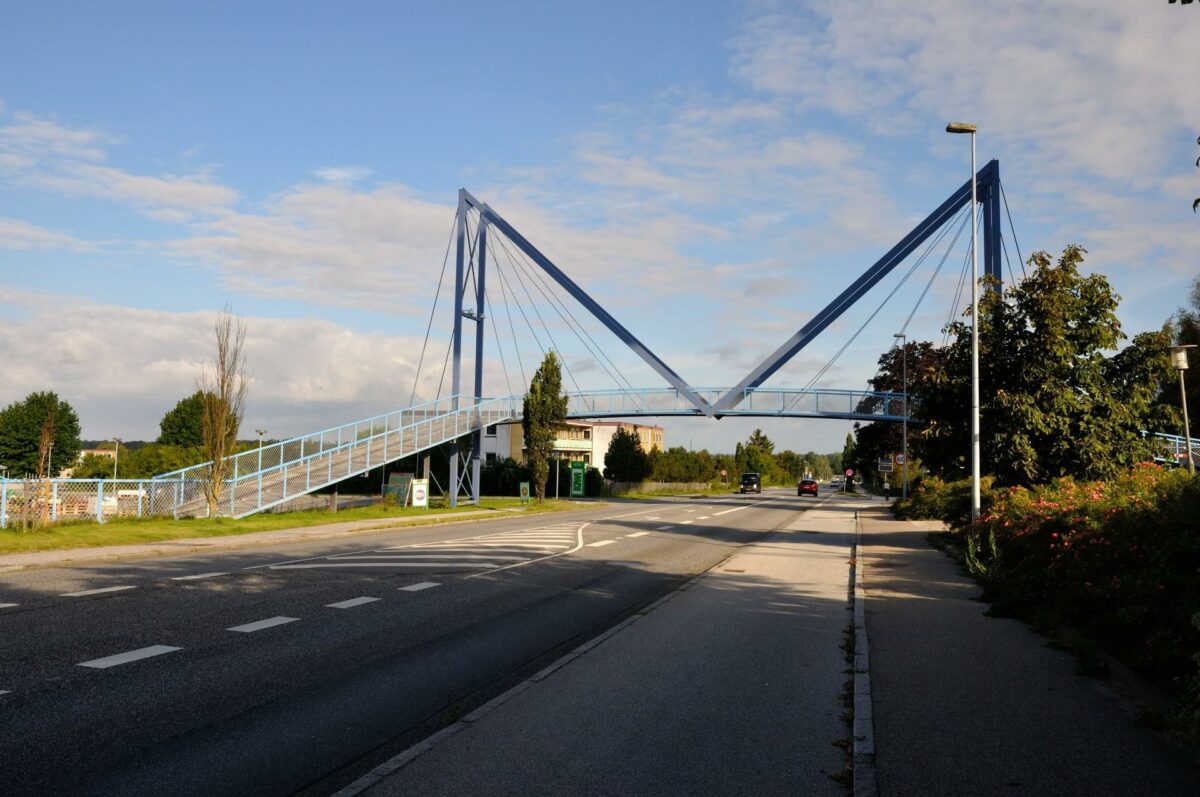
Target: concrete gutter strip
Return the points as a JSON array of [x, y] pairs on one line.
[[866, 783]]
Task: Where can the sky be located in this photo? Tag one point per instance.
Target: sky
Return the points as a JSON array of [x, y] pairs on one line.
[[712, 173]]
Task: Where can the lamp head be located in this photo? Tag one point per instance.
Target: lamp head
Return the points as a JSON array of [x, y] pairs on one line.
[[960, 127], [1179, 358]]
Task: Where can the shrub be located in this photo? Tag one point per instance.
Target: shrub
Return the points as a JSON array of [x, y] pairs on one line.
[[936, 499]]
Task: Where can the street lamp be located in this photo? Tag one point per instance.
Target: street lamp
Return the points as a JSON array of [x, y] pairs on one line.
[[963, 127], [260, 433], [116, 454], [1179, 359], [904, 465]]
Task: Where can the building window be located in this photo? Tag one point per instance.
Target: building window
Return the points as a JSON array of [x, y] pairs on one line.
[[587, 459], [491, 431], [587, 434], [491, 456]]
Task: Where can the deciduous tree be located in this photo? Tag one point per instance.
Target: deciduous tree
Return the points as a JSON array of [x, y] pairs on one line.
[[182, 425], [545, 410], [223, 388], [626, 460], [39, 436]]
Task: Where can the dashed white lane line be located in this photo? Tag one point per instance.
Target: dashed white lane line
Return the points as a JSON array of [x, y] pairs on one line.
[[350, 604], [601, 543], [660, 528], [5, 692], [85, 592], [198, 576], [125, 658], [686, 522], [642, 533], [8, 605], [703, 517], [259, 625], [419, 587]]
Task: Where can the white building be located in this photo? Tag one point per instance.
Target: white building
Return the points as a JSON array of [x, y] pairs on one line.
[[577, 441]]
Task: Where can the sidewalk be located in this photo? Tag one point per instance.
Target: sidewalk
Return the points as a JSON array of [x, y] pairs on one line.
[[968, 704], [731, 685], [74, 556]]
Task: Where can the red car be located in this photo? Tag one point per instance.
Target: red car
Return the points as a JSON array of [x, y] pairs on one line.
[[806, 487]]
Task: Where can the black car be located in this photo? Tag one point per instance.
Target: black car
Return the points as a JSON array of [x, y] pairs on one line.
[[751, 483]]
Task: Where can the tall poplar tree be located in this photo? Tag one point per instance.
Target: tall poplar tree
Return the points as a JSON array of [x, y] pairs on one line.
[[544, 412]]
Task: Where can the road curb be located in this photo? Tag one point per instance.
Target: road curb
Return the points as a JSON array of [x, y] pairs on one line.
[[863, 755]]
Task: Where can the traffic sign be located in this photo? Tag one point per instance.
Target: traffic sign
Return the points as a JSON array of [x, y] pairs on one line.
[[885, 467], [849, 472], [899, 459]]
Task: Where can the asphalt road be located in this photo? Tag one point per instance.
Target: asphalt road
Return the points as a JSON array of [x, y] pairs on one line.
[[297, 669]]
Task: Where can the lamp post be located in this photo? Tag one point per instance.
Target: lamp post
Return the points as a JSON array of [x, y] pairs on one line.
[[904, 371], [116, 454], [260, 433], [963, 127], [1179, 359]]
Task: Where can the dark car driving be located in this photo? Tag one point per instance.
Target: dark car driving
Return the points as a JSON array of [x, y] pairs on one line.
[[751, 483]]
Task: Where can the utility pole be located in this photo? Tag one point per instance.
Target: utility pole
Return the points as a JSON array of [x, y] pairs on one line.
[[904, 381], [1179, 359]]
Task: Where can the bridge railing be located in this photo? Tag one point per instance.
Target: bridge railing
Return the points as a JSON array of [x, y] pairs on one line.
[[1173, 448], [763, 401]]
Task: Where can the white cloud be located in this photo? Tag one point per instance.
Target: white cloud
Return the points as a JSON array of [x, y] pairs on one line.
[[21, 235], [344, 175]]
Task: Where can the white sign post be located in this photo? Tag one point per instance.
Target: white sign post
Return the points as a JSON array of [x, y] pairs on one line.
[[420, 492]]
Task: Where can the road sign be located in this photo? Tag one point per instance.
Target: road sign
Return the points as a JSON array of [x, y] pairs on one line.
[[899, 459], [577, 479], [885, 467], [420, 492], [524, 492], [849, 472]]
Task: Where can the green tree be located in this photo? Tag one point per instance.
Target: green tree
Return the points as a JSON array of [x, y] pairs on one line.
[[1184, 329], [545, 411], [625, 460], [1052, 403], [39, 436], [181, 425]]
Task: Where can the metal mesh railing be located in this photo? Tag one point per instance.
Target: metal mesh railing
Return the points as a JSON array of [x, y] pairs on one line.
[[29, 503], [790, 402]]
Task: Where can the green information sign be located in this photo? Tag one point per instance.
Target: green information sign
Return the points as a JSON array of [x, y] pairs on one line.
[[524, 492], [578, 469]]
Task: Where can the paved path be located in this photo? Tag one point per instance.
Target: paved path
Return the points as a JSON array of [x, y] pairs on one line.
[[732, 686], [967, 704]]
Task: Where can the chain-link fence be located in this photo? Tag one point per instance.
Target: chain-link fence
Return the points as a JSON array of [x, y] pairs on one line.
[[30, 503]]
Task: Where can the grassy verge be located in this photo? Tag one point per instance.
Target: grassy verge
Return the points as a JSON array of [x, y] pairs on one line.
[[131, 531]]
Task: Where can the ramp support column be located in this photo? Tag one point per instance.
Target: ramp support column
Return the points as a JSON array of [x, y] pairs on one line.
[[480, 300], [456, 374]]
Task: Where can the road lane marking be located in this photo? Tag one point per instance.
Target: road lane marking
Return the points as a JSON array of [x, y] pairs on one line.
[[602, 542], [125, 658], [687, 522], [660, 528], [259, 625], [395, 556], [5, 692], [350, 604], [86, 592], [703, 517], [578, 546], [8, 605], [319, 565], [420, 586], [642, 533], [197, 576]]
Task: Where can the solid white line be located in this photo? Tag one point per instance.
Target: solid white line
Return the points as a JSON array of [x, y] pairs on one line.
[[8, 605], [660, 528], [197, 576], [125, 658], [350, 604], [393, 556], [383, 564], [420, 586], [642, 533], [602, 542], [259, 625], [513, 545], [94, 591]]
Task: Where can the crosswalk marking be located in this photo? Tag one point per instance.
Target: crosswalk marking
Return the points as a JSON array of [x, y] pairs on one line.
[[600, 543], [483, 552]]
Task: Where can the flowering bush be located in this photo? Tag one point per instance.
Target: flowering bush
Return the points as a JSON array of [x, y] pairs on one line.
[[934, 498], [1118, 560]]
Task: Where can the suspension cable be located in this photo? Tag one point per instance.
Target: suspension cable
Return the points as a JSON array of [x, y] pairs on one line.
[[1011, 226], [511, 328], [429, 326], [962, 225]]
